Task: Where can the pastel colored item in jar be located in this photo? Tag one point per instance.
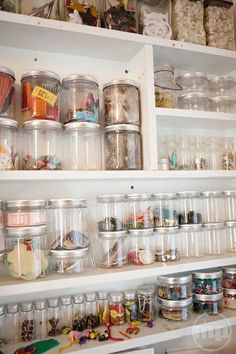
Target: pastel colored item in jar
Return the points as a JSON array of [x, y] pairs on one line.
[[115, 256], [174, 292], [141, 220], [111, 224], [9, 158], [45, 162], [140, 256]]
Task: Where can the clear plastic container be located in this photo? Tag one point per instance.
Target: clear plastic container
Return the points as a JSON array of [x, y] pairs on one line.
[[194, 101], [166, 243], [103, 307], [71, 261], [146, 303], [140, 211], [82, 146], [80, 97], [26, 322], [121, 102], [221, 85], [226, 104], [123, 147], [91, 310], [42, 8], [2, 326], [42, 145], [207, 282], [175, 310], [39, 95], [215, 238], [230, 298], [230, 205], [9, 145], [84, 13], [21, 213], [7, 93], [165, 210], [228, 154], [212, 207], [40, 319], [130, 305], [66, 312], [174, 286], [2, 265], [12, 324], [192, 81], [191, 241], [111, 212], [229, 277], [26, 249], [141, 247], [78, 313], [190, 211], [113, 247], [53, 317], [116, 308], [208, 304]]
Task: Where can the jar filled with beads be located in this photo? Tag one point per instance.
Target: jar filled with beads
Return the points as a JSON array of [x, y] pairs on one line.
[[146, 302], [116, 308]]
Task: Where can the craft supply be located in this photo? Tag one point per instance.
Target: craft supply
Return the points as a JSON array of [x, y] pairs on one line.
[[120, 15], [229, 277], [113, 249], [116, 308], [165, 210], [78, 313], [175, 310], [12, 323], [40, 319], [230, 298], [54, 325], [91, 310], [140, 211], [130, 306], [146, 302], [21, 213], [189, 207], [83, 12], [40, 347], [7, 93], [103, 307], [9, 157], [208, 304], [207, 282], [70, 261], [166, 243], [141, 246], [26, 322], [174, 286]]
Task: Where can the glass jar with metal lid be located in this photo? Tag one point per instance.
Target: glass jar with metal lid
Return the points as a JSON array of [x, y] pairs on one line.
[[2, 239], [53, 317], [141, 247], [179, 310], [91, 310], [78, 313], [146, 302], [221, 85], [208, 304], [192, 81], [189, 208], [9, 145], [116, 308], [7, 93], [229, 277], [26, 249], [194, 101], [166, 244], [42, 145], [228, 154], [230, 204], [113, 249], [21, 213], [103, 307], [191, 241], [121, 102], [207, 282], [225, 104], [130, 305], [66, 311], [111, 212], [123, 147], [40, 319], [212, 207], [165, 210], [215, 238], [39, 95], [12, 331], [174, 286], [80, 99], [82, 146], [139, 211], [1, 216], [26, 322], [230, 298]]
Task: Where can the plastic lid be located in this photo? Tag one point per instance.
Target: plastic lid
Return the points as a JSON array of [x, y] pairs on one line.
[[79, 252], [164, 196], [66, 203], [42, 124], [213, 225], [12, 308], [80, 77], [188, 194], [122, 127], [26, 306], [82, 126], [40, 304], [106, 198], [26, 231], [5, 70], [139, 197], [229, 100], [25, 203], [66, 300], [175, 303], [209, 274], [130, 294], [176, 278], [189, 96], [116, 296], [211, 194], [140, 232], [146, 289], [229, 269], [213, 297], [44, 73], [5, 122], [112, 234], [78, 299], [91, 296], [120, 82], [53, 302]]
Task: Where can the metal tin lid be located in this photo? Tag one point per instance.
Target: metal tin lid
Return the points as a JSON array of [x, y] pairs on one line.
[[122, 127], [26, 306], [223, 99], [67, 203], [166, 230], [188, 194], [2, 310], [130, 294], [12, 308], [213, 297], [211, 194], [113, 234], [102, 295], [26, 231], [40, 304], [77, 253], [5, 122], [175, 303], [106, 198], [164, 196], [53, 302], [139, 197], [91, 296], [25, 203], [81, 126], [231, 223], [176, 278], [80, 77], [229, 269], [190, 79], [229, 193], [213, 226], [140, 232], [229, 292], [224, 81], [78, 299], [146, 289], [120, 82], [66, 300], [116, 296], [43, 73], [209, 274], [5, 70], [189, 96], [42, 124], [191, 227]]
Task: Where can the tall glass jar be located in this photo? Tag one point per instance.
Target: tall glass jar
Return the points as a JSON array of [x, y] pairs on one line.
[[42, 8], [21, 213], [91, 310], [65, 312], [191, 241], [228, 154], [212, 207], [215, 238], [84, 13], [146, 302], [26, 322], [111, 212], [140, 211], [230, 205], [222, 85], [130, 305], [26, 249], [2, 326], [7, 93], [12, 324], [166, 243], [174, 286], [82, 146], [116, 308], [165, 210], [192, 81], [141, 247], [230, 230], [103, 307], [42, 145], [123, 147], [78, 313], [9, 145], [189, 208], [40, 319], [113, 249], [53, 317]]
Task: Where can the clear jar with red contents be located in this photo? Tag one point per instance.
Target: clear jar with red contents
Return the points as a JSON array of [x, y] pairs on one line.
[[229, 277], [116, 308], [21, 213], [39, 95], [140, 211], [7, 93]]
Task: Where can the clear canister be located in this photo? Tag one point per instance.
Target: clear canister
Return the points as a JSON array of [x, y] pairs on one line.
[[208, 304], [191, 241], [82, 146], [84, 13], [174, 286], [121, 102], [179, 310], [42, 8], [223, 85], [26, 249], [39, 95], [207, 282], [192, 81], [230, 205], [2, 265], [9, 145], [141, 247], [26, 322], [111, 212], [140, 211], [91, 310], [42, 145], [130, 305], [215, 238], [70, 261], [40, 319], [165, 210], [103, 307], [116, 308], [7, 93], [194, 101], [212, 207], [53, 317], [123, 147], [146, 302], [66, 312], [12, 324], [21, 213], [2, 326], [113, 249], [228, 154], [166, 243], [78, 313], [229, 277], [230, 298], [189, 208], [225, 104]]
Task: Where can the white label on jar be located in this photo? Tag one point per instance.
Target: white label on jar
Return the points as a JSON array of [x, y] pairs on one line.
[[26, 218]]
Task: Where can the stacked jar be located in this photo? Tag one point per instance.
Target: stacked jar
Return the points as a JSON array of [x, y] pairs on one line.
[[230, 219], [2, 242], [221, 90], [229, 287]]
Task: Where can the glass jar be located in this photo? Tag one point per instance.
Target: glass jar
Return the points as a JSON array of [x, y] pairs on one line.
[[2, 239], [78, 313], [228, 154], [207, 282], [65, 312], [53, 317], [26, 249], [121, 102], [113, 247], [221, 85], [141, 247], [67, 224], [174, 286], [12, 324], [212, 207], [230, 205], [71, 261], [165, 210], [140, 211], [91, 310], [2, 326], [175, 310], [163, 164], [123, 147], [229, 277], [166, 243], [1, 218], [146, 302], [194, 101], [21, 213], [111, 212], [42, 145], [184, 157], [230, 298], [120, 15], [189, 208], [9, 156], [187, 21], [208, 304], [2, 265], [42, 8], [225, 104], [200, 153], [192, 81], [82, 146], [84, 13], [215, 238], [130, 306], [80, 96], [219, 24], [215, 151], [7, 93], [26, 322], [103, 307], [39, 95], [191, 241], [40, 319], [116, 308]]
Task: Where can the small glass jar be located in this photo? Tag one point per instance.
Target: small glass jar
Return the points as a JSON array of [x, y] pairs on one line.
[[21, 213], [26, 322], [166, 243], [207, 282], [84, 13], [111, 212], [39, 95], [221, 85], [123, 147], [80, 96], [174, 286], [212, 207], [41, 8], [191, 241], [131, 306], [230, 205], [7, 93], [65, 312], [42, 145], [165, 210], [208, 304], [91, 310], [26, 249], [53, 317], [225, 104], [146, 302], [163, 164], [228, 154], [140, 211], [78, 313], [40, 319], [189, 208], [121, 102], [116, 308], [70, 261], [192, 81], [82, 146], [12, 332], [103, 307], [2, 326], [113, 247], [215, 238], [194, 101], [229, 277], [230, 298], [9, 156], [175, 310], [141, 247]]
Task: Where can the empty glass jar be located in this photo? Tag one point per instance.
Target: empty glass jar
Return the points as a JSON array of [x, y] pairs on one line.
[[230, 205], [12, 324], [189, 208], [226, 104], [111, 212], [9, 146], [221, 85], [70, 261], [146, 302], [191, 241], [7, 93], [166, 243], [212, 207], [207, 282], [140, 211], [175, 310], [165, 210], [21, 213], [141, 247], [174, 286], [40, 319], [192, 81], [215, 238], [208, 304], [66, 311], [113, 249]]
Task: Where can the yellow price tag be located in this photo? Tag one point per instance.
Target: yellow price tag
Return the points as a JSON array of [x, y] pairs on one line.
[[45, 95]]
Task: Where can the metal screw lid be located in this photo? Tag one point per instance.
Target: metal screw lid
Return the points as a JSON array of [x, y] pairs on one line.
[[164, 196], [106, 198], [26, 306], [67, 203], [213, 297], [175, 303], [231, 193], [176, 278], [231, 292], [63, 254], [72, 126], [40, 304], [120, 82], [2, 310], [78, 299], [9, 123], [207, 274], [102, 295], [80, 77], [66, 300], [25, 203], [231, 223], [146, 289], [139, 197], [188, 194], [140, 232], [130, 294], [211, 194], [5, 70], [229, 269], [43, 73], [53, 302], [109, 235], [213, 226], [12, 308], [42, 124], [91, 296], [116, 296], [122, 127], [26, 231], [191, 227], [167, 230]]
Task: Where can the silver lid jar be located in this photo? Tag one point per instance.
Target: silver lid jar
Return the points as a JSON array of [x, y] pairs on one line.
[[7, 93]]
